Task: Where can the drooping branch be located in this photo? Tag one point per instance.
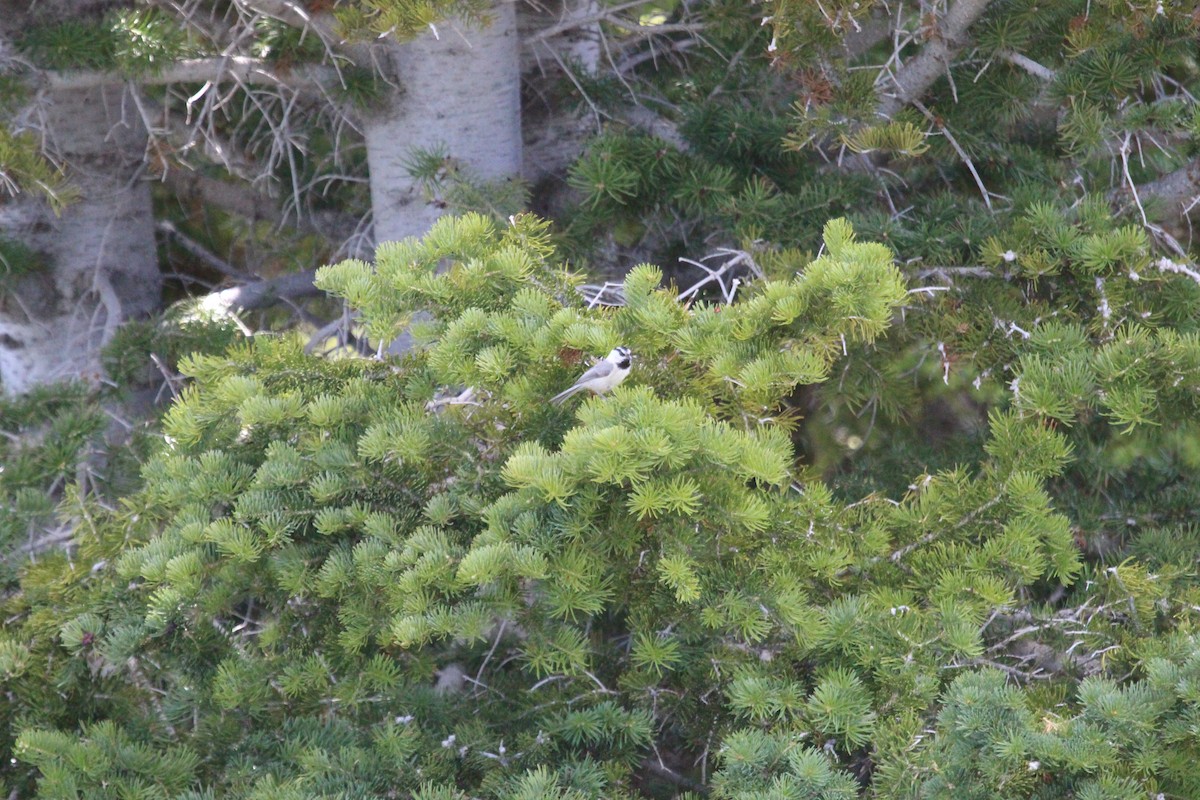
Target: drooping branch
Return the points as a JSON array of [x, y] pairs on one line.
[[222, 74], [943, 44], [216, 69]]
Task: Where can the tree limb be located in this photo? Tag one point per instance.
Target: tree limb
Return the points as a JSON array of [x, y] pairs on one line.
[[194, 70], [1178, 190], [949, 38], [262, 294], [197, 250]]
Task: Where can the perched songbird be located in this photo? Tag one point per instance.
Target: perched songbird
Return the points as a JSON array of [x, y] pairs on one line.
[[602, 377]]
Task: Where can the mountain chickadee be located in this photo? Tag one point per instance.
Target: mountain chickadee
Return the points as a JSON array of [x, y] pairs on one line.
[[602, 377]]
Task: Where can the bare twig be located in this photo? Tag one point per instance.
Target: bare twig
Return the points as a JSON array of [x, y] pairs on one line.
[[169, 379], [63, 533], [1025, 676], [1029, 65], [1165, 264], [492, 652], [734, 259], [945, 131], [464, 398], [194, 248], [610, 294], [670, 775], [737, 267], [1125, 147], [611, 14], [628, 62]]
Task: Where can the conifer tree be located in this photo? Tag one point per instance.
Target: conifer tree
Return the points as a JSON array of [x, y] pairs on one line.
[[350, 576], [897, 504]]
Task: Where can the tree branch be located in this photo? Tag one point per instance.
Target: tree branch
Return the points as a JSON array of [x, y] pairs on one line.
[[572, 23], [261, 294], [295, 14], [1179, 190], [949, 38], [194, 70], [321, 24], [670, 775], [197, 250], [1026, 63]]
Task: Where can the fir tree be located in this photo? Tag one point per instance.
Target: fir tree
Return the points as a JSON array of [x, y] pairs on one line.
[[897, 505], [339, 577]]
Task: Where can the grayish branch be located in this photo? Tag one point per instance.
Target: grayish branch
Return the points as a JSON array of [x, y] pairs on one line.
[[262, 294], [1178, 190], [944, 43], [217, 69]]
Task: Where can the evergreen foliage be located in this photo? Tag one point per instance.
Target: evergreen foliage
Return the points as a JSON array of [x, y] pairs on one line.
[[911, 517], [25, 169], [134, 41], [339, 580]]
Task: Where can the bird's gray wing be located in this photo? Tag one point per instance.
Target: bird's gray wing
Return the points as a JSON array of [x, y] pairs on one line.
[[597, 371]]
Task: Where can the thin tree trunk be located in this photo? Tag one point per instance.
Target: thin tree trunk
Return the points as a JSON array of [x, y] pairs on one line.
[[461, 92], [100, 257]]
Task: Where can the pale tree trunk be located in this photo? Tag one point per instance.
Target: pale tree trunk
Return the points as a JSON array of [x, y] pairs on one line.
[[101, 263], [459, 91]]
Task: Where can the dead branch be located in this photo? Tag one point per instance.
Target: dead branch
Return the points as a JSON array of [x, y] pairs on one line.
[[216, 69], [197, 250], [263, 294]]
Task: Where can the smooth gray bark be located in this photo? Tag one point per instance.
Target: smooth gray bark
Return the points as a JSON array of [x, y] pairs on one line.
[[102, 266], [460, 91], [920, 72]]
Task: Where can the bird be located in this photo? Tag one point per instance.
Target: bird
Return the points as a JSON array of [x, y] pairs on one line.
[[602, 377]]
